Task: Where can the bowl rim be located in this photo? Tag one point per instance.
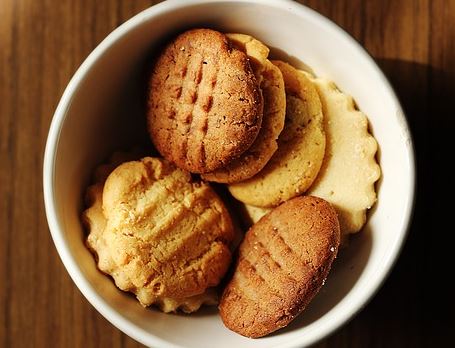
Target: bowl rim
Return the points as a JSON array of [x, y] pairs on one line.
[[56, 227]]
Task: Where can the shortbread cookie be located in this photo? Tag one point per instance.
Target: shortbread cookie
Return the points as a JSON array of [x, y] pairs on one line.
[[350, 169], [283, 262], [159, 235], [205, 105], [265, 145], [301, 145]]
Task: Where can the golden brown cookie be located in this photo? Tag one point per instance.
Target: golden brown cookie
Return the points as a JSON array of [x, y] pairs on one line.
[[265, 145], [350, 169], [205, 105], [301, 145], [159, 235], [283, 262]]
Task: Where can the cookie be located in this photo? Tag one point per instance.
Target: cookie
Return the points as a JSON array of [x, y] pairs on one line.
[[350, 169], [282, 263], [205, 105], [301, 145], [265, 145], [159, 235]]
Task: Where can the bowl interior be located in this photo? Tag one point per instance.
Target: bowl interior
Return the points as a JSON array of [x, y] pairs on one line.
[[103, 111]]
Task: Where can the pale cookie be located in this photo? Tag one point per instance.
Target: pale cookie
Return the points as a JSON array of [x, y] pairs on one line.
[[283, 262], [301, 144], [159, 235], [350, 169], [265, 145], [205, 105]]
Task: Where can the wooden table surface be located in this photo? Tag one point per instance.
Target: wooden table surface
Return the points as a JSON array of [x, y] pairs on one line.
[[42, 42]]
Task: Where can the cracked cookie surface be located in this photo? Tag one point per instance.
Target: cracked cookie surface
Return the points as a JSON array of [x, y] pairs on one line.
[[158, 234], [283, 262], [205, 105]]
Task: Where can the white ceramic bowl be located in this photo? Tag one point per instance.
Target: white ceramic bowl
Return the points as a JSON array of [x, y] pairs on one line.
[[102, 111]]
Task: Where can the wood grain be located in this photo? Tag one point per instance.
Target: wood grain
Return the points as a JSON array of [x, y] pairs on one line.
[[41, 45]]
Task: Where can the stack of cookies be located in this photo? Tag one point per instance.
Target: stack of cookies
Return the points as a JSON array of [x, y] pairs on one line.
[[294, 153]]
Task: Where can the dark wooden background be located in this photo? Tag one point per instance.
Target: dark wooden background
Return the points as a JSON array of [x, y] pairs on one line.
[[42, 42]]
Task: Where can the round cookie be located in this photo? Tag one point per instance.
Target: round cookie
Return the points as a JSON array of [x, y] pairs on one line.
[[159, 235], [283, 262], [301, 145], [205, 105], [350, 169], [265, 145]]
